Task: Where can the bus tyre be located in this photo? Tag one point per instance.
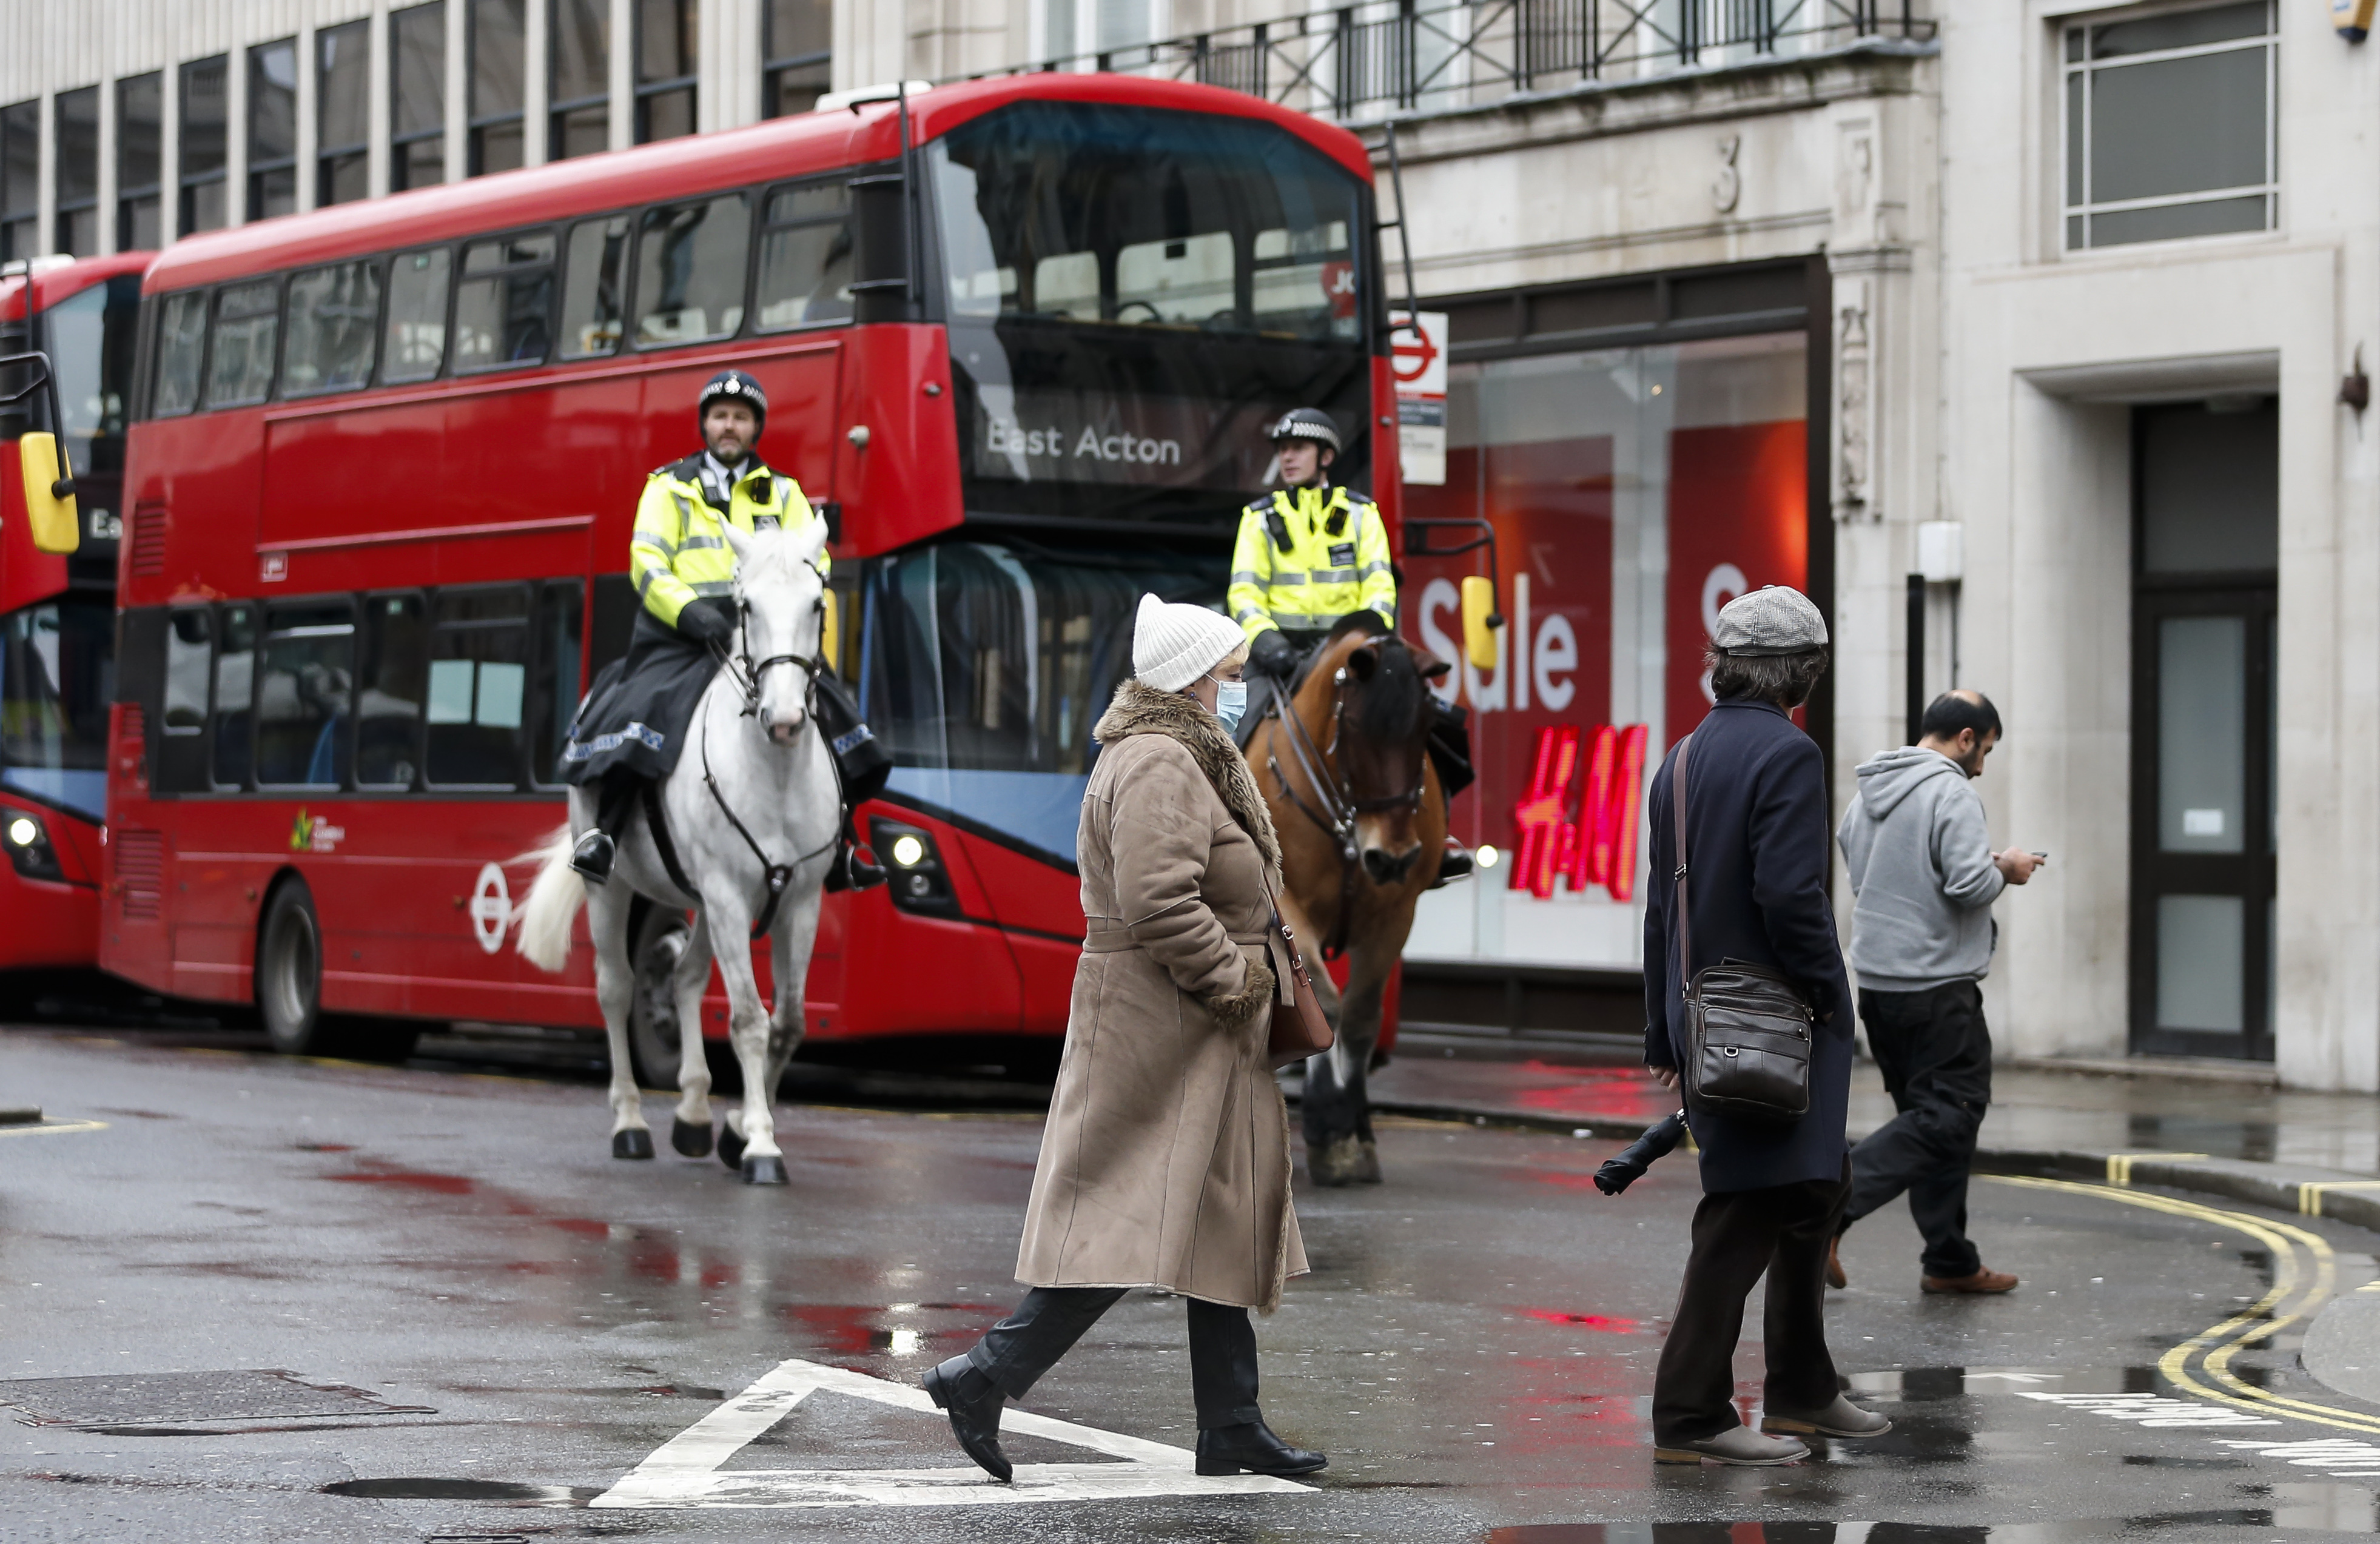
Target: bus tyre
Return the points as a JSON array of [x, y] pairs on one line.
[[289, 972], [656, 944]]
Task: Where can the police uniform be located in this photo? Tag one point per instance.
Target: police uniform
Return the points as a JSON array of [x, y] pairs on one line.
[[676, 554]]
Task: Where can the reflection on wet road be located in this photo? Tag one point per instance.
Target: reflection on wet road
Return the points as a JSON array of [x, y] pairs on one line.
[[535, 1327]]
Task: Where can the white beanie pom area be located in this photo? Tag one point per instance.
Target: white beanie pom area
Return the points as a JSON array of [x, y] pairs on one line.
[[1173, 645]]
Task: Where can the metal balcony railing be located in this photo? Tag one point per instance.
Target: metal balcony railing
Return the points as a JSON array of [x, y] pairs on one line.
[[1384, 56]]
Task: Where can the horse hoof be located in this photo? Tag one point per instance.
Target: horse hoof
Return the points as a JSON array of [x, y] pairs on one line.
[[1367, 1163], [690, 1139], [1335, 1163], [634, 1142], [764, 1169], [730, 1147]]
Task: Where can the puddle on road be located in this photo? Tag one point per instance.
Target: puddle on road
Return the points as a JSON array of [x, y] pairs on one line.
[[2328, 1508], [492, 1492]]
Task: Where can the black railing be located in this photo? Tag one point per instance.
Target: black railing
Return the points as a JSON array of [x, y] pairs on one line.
[[1390, 55]]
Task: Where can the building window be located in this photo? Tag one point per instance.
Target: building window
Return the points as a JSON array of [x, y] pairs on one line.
[[205, 113], [417, 96], [2169, 126], [341, 113], [498, 28], [78, 171], [273, 128], [140, 166], [20, 181], [797, 36], [667, 52], [580, 78]]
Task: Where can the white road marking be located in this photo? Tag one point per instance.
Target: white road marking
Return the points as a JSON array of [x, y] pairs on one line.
[[684, 1471]]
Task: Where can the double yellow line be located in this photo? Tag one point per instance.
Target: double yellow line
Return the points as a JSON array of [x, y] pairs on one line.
[[2305, 1273]]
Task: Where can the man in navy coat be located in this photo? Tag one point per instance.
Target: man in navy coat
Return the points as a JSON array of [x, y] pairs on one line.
[[1757, 844]]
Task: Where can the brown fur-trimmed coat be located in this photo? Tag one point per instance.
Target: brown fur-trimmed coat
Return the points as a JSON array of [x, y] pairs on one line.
[[1166, 1161]]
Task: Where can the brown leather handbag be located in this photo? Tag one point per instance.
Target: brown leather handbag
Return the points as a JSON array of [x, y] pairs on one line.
[[1299, 1030]]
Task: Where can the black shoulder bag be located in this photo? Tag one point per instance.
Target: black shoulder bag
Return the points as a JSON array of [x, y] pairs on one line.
[[1747, 1026]]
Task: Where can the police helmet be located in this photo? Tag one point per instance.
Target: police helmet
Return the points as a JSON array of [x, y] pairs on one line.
[[734, 385], [1306, 423]]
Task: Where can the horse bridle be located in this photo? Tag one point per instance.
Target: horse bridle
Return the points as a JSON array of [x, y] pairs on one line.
[[1339, 805]]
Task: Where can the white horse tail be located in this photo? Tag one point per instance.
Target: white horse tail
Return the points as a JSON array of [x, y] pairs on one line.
[[554, 901]]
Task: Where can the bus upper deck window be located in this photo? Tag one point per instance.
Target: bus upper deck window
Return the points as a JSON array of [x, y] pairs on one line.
[[333, 313], [190, 652], [593, 280], [416, 344], [504, 305], [690, 261], [806, 257], [182, 349], [247, 321], [1187, 281], [1302, 278]]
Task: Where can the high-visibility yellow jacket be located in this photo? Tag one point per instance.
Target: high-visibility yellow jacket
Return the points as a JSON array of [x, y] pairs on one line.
[[1310, 555], [676, 552]]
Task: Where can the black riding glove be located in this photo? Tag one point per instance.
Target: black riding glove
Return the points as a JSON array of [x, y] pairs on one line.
[[1272, 654], [707, 622]]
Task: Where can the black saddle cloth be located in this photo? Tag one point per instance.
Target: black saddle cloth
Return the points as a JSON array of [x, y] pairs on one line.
[[635, 714]]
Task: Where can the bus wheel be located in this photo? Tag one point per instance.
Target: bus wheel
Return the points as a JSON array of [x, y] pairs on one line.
[[289, 972], [656, 944]]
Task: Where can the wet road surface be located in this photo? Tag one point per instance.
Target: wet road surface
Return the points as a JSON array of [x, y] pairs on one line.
[[487, 1329]]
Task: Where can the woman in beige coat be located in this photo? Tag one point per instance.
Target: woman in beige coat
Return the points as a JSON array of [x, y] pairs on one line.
[[1165, 1162]]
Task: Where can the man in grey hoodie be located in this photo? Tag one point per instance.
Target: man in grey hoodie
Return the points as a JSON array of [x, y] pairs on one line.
[[1925, 876]]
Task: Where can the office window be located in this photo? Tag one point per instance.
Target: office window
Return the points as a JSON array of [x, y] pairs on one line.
[[78, 172], [479, 687], [181, 349], [342, 109], [2169, 126], [806, 257], [206, 106], [235, 693], [667, 54], [334, 317], [593, 280], [503, 303], [273, 129], [239, 363], [416, 342], [140, 166], [690, 261], [797, 37], [390, 685], [417, 96], [580, 78], [498, 86], [20, 181], [305, 685]]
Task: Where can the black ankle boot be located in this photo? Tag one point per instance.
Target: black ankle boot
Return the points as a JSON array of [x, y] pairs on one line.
[[1454, 863], [593, 855], [974, 1403], [1255, 1447], [853, 868]]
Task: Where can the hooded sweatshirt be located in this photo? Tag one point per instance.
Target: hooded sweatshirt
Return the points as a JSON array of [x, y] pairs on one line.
[[1921, 866]]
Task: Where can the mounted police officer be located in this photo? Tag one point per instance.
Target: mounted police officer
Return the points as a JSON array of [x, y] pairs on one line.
[[630, 729], [1309, 555]]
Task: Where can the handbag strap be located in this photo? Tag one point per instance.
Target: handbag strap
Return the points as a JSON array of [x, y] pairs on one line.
[[1677, 811]]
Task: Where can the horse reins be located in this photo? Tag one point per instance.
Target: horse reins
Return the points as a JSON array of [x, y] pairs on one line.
[[1339, 805]]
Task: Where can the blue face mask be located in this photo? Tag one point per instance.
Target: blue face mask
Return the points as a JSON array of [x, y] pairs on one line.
[[1231, 701]]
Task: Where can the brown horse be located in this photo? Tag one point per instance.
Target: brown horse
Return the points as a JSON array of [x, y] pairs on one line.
[[1362, 821]]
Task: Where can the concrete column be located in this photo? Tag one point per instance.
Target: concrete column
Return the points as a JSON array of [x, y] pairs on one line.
[[624, 74], [310, 120], [458, 90], [235, 135], [107, 150], [377, 112], [537, 82]]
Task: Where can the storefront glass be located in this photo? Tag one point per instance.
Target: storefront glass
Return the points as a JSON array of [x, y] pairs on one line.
[[1634, 492]]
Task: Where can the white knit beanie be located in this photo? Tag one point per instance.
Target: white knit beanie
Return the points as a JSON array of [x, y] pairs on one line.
[[1173, 646]]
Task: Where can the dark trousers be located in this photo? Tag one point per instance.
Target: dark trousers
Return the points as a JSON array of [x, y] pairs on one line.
[[1028, 1342], [1936, 1053], [1783, 1231]]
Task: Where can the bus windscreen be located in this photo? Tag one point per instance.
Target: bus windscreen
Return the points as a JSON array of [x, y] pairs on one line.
[[56, 678]]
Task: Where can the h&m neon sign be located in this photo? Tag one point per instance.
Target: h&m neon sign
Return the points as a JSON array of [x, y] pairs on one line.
[[1598, 844]]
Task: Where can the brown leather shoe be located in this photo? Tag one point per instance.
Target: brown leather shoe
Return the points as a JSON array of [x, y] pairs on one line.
[[1982, 1282], [1834, 1277]]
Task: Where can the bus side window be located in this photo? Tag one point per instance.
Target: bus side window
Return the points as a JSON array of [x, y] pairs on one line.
[[235, 694], [503, 307], [416, 342], [560, 604], [247, 319], [190, 653], [334, 317], [181, 349], [478, 680], [690, 265], [389, 691], [806, 257], [594, 277], [305, 688]]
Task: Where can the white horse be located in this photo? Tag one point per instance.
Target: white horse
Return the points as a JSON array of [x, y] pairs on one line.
[[752, 800]]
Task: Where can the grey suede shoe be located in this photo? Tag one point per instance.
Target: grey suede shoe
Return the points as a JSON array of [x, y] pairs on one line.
[[1842, 1418], [1740, 1445]]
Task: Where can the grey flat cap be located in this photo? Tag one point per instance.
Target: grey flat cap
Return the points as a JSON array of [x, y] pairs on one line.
[[1773, 619]]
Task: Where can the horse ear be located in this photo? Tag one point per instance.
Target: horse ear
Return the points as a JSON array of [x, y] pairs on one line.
[[738, 541], [1432, 668], [809, 542], [1364, 662]]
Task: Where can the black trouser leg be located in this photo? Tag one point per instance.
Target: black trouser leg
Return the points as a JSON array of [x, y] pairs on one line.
[[1936, 1053], [1222, 1364], [615, 801], [1736, 1237], [1449, 745], [1025, 1345]]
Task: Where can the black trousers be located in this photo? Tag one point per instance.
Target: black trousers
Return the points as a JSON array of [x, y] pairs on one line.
[[1936, 1053], [1783, 1231], [1025, 1345]]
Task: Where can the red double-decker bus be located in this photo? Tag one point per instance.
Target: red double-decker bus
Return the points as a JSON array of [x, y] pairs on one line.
[[1019, 339], [57, 610]]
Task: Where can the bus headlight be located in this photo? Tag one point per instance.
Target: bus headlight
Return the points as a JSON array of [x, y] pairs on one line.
[[28, 841], [919, 883]]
